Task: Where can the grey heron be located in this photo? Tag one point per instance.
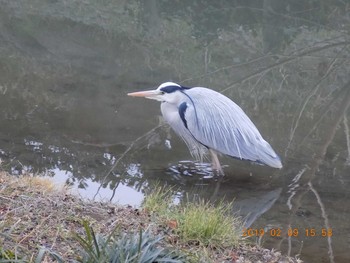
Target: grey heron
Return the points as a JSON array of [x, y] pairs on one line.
[[209, 121]]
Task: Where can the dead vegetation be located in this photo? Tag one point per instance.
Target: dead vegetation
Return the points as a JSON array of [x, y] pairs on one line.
[[35, 213]]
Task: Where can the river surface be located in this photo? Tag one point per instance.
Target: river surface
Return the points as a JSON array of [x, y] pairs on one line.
[[66, 67]]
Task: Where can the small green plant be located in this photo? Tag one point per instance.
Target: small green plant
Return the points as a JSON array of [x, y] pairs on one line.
[[140, 247], [41, 255], [93, 247], [159, 200], [9, 256], [200, 222], [208, 224]]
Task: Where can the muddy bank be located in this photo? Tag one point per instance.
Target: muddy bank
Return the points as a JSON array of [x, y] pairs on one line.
[[35, 213]]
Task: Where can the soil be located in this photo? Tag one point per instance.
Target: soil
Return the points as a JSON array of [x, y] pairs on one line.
[[34, 212]]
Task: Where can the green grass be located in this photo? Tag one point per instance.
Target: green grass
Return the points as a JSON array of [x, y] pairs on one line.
[[159, 201], [9, 256], [198, 222], [208, 224]]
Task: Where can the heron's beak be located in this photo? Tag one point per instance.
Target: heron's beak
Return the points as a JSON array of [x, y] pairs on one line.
[[149, 94]]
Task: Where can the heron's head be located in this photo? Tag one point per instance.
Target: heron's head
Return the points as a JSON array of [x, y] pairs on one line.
[[166, 92]]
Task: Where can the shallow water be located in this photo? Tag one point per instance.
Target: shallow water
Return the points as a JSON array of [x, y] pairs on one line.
[[66, 67]]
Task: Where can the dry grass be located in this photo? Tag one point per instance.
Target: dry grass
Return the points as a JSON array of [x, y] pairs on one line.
[[34, 213]]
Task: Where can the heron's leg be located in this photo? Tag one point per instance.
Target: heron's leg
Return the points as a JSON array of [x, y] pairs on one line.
[[215, 162]]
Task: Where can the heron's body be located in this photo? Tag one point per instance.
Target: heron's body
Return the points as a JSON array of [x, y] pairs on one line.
[[208, 120]]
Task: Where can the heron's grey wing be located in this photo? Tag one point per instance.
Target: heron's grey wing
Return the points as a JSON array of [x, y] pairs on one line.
[[220, 124]]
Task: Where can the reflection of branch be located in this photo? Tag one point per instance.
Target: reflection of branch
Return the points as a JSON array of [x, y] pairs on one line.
[[346, 130], [327, 109], [284, 61], [304, 20], [293, 187], [132, 146], [306, 101], [291, 17], [305, 180], [114, 190], [258, 81], [329, 133], [125, 153], [251, 62], [326, 222], [256, 60], [331, 68]]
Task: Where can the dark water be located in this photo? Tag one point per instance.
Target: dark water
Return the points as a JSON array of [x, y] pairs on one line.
[[66, 66]]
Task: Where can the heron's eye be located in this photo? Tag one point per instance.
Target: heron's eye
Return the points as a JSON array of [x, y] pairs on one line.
[[162, 93]]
